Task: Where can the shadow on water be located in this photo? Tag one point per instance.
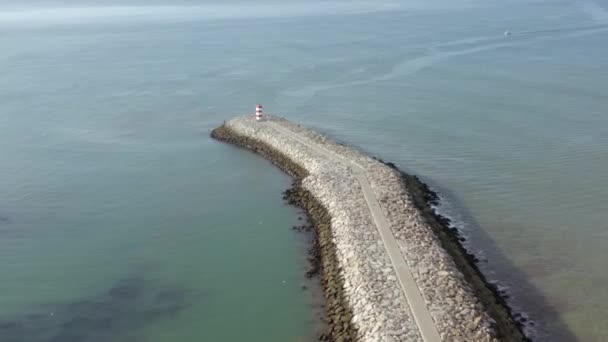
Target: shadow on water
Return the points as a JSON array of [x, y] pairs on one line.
[[114, 315], [525, 296]]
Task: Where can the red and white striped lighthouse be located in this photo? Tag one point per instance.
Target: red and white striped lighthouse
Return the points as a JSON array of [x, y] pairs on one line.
[[258, 112]]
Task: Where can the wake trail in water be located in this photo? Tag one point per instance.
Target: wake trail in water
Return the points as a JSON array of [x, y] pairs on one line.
[[439, 53], [595, 11], [566, 29]]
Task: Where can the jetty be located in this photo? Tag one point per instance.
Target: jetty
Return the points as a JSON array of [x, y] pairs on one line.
[[390, 269]]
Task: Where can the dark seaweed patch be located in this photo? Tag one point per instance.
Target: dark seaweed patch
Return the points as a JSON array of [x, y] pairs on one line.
[[127, 289], [115, 315], [171, 296]]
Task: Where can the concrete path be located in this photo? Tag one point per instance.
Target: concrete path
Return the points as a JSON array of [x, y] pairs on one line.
[[421, 314]]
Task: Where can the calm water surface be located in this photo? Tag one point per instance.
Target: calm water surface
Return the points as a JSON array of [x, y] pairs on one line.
[[120, 220]]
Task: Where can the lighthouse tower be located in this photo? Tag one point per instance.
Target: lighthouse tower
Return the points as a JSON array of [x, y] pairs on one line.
[[258, 112]]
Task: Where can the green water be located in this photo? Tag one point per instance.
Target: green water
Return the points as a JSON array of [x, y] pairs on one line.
[[121, 220], [149, 232]]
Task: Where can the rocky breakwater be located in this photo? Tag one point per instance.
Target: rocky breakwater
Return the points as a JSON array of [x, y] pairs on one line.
[[424, 292]]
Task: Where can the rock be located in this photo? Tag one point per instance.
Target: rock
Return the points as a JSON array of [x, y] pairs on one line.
[[358, 278]]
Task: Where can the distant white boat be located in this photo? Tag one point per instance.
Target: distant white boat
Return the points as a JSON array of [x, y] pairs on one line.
[[507, 33]]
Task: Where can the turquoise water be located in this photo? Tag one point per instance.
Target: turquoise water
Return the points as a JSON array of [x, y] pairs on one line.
[[121, 219]]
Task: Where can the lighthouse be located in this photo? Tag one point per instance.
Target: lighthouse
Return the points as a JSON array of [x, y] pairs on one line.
[[258, 112]]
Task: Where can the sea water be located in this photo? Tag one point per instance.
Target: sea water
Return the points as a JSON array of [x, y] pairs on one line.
[[121, 220]]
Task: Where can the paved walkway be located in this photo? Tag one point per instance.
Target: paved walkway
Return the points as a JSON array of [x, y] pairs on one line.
[[421, 314]]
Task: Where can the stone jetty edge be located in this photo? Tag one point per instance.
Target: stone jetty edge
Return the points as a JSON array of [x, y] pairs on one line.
[[507, 326], [338, 312]]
